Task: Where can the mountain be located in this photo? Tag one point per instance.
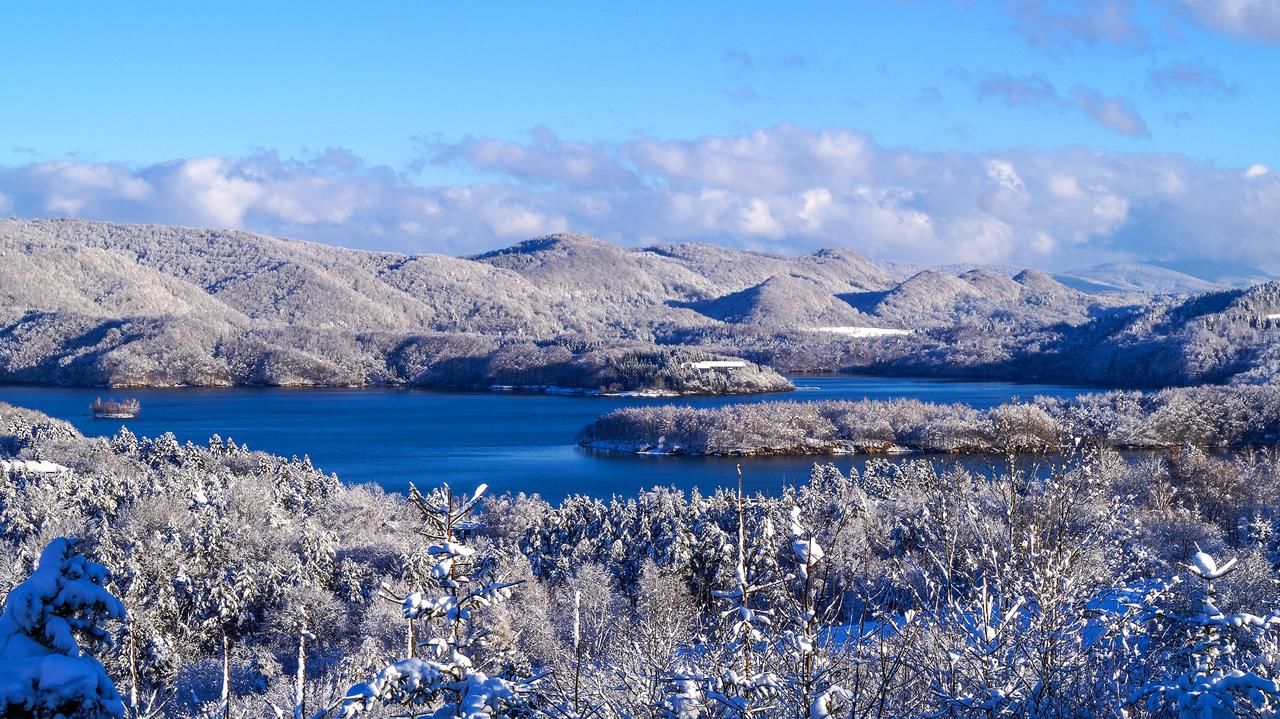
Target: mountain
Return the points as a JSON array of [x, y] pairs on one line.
[[267, 280], [93, 302], [100, 303], [1133, 277], [933, 299], [1136, 277], [1229, 274], [594, 286], [726, 269], [836, 270], [903, 270], [784, 301]]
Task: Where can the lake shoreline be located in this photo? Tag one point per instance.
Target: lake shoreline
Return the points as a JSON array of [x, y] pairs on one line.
[[391, 436]]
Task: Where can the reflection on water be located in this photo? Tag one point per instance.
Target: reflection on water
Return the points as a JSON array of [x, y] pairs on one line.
[[513, 442]]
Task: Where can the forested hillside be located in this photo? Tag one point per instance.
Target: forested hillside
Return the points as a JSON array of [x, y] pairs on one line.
[[98, 304]]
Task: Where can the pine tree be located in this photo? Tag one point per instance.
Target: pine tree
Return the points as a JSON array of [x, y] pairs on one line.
[[1218, 677], [449, 684], [44, 670]]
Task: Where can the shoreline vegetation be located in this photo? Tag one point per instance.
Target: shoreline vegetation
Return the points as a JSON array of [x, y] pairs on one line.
[[475, 363], [1206, 417]]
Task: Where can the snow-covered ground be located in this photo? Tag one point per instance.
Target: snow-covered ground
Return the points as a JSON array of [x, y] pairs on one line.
[[37, 466], [862, 331], [1275, 316]]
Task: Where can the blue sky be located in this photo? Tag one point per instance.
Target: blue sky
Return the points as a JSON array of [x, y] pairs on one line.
[[458, 127]]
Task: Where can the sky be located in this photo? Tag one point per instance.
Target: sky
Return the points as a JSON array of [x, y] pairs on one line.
[[1051, 134]]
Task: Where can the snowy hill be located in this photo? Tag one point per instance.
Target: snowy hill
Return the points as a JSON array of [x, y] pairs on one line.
[[99, 303], [1136, 277]]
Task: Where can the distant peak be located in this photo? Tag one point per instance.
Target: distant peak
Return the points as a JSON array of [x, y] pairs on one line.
[[545, 243], [924, 276], [982, 273], [1030, 276], [836, 253]]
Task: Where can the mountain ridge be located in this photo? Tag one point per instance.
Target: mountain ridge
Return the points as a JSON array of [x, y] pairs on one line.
[[101, 303]]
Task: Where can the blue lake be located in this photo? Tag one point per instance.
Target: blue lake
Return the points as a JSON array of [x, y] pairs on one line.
[[512, 442]]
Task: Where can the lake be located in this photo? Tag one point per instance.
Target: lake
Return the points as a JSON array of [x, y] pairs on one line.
[[513, 442]]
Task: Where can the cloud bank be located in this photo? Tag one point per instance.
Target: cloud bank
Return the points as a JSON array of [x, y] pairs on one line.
[[783, 189]]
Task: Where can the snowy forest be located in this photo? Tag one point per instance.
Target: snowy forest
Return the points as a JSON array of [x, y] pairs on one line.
[[156, 579], [1118, 556]]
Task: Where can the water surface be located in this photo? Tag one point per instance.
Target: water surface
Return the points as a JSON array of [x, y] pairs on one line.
[[513, 442]]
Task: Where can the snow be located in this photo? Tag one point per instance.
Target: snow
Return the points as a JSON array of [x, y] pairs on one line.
[[1205, 566], [438, 688], [1275, 316], [717, 364], [862, 332], [34, 466], [43, 671], [643, 393]]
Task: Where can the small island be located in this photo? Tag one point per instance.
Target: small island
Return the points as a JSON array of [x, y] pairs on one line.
[[115, 409], [1209, 417]]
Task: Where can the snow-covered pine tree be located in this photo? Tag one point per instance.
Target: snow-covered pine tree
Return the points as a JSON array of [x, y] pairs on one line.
[[808, 683], [1219, 681], [315, 563], [220, 589], [652, 643], [449, 684], [740, 685], [44, 670]]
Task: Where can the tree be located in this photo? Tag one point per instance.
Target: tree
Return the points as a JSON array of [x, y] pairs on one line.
[[450, 684], [44, 671], [1219, 681]]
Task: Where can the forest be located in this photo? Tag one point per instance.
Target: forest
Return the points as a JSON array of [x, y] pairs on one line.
[[158, 579]]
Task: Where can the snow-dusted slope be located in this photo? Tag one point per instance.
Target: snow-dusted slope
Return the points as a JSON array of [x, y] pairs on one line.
[[1136, 277]]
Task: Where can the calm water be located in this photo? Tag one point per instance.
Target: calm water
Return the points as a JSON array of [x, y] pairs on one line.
[[516, 442]]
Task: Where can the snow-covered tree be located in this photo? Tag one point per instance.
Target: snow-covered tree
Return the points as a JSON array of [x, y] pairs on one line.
[[1213, 678], [805, 661], [733, 675], [450, 683], [44, 669]]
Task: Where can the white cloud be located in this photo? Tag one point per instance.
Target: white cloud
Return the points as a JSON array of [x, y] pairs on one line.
[[1058, 26], [1256, 170], [1036, 91], [1062, 186], [757, 219], [1252, 19], [783, 188], [1005, 175]]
